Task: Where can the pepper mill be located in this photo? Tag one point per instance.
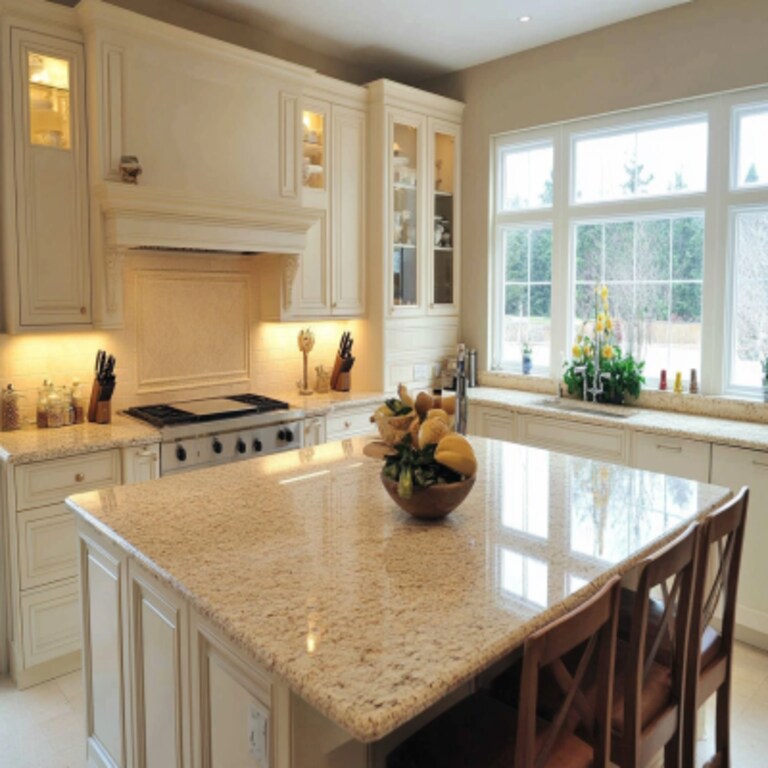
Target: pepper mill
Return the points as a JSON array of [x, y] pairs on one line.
[[693, 387], [679, 382], [663, 379]]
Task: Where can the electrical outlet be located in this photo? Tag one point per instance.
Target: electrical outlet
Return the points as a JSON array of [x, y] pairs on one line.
[[258, 734], [421, 372]]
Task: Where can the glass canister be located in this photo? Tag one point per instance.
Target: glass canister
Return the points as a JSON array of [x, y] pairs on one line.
[[78, 401], [54, 408], [11, 414], [67, 408], [42, 405]]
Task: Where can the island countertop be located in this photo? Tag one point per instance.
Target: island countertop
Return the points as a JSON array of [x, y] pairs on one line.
[[303, 561]]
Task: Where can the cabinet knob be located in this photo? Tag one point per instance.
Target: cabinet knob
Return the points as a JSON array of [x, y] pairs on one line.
[[79, 477], [83, 311]]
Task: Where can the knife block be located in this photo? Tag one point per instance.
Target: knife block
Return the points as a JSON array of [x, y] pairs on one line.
[[94, 402], [99, 411], [343, 382]]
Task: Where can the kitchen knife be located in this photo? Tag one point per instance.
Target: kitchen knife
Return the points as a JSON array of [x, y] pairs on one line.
[[100, 357]]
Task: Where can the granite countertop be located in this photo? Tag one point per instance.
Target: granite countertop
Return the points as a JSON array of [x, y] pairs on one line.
[[303, 561], [27, 445], [742, 434], [323, 403]]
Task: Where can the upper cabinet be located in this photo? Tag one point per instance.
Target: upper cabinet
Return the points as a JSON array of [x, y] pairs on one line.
[[328, 278], [47, 278], [416, 154]]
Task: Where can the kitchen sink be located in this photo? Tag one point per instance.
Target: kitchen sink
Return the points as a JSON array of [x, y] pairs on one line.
[[598, 409]]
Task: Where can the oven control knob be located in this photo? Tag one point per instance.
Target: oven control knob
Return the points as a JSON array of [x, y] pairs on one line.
[[240, 445], [181, 453], [285, 435], [257, 446], [217, 446]]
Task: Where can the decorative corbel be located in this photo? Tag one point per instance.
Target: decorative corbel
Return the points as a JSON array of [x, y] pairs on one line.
[[113, 276], [290, 270]]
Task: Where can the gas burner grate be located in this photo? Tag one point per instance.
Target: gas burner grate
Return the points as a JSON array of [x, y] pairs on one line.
[[261, 403], [160, 415]]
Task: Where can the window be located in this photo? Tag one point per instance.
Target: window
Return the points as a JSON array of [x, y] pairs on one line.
[[527, 292], [751, 165], [750, 297], [641, 162], [527, 177], [668, 207], [653, 268]]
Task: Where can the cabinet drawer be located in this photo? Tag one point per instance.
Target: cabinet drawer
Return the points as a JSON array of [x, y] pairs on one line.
[[48, 482], [672, 456], [47, 545], [51, 621], [594, 442], [348, 424]]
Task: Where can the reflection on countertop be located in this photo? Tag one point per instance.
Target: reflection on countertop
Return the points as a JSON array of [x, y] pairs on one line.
[[302, 559]]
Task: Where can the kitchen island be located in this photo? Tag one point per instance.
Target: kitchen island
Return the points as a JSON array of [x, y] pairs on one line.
[[285, 612]]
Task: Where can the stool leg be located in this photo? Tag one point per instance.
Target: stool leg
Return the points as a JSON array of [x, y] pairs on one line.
[[722, 724]]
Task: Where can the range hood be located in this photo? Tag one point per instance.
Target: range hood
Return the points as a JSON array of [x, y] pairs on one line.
[[140, 217], [134, 217]]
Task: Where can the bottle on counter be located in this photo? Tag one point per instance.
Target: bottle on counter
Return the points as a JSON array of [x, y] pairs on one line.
[[11, 412], [67, 408], [679, 382], [54, 408], [42, 405], [78, 402]]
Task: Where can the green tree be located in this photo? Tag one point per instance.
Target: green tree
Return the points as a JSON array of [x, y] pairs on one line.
[[635, 181], [548, 195]]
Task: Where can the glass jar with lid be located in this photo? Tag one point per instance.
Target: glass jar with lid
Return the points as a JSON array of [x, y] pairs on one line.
[[54, 408], [78, 401], [11, 410], [42, 405]]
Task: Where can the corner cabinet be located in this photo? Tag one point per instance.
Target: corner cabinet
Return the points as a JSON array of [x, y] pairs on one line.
[[45, 201], [328, 279], [415, 238]]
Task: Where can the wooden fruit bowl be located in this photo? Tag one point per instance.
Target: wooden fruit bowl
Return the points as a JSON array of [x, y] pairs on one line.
[[431, 503]]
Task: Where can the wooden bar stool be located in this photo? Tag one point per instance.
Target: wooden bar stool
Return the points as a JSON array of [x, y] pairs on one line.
[[650, 666], [710, 653], [482, 732]]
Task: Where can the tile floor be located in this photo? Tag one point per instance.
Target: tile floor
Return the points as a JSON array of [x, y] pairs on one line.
[[42, 727]]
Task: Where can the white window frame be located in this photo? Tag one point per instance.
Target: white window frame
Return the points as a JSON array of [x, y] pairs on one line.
[[718, 203]]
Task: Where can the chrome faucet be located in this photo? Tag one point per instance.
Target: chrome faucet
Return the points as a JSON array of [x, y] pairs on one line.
[[597, 377], [461, 391]]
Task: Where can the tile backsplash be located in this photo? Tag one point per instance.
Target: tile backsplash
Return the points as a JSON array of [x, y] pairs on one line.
[[273, 362]]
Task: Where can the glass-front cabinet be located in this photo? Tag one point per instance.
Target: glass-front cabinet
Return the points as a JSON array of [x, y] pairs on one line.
[[407, 238], [443, 275], [50, 121], [314, 151]]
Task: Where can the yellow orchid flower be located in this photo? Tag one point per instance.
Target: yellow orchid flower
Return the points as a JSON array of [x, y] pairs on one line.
[[607, 351], [599, 327], [576, 351], [608, 323], [603, 291]]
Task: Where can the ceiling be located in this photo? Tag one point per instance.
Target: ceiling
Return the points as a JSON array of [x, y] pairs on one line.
[[418, 39]]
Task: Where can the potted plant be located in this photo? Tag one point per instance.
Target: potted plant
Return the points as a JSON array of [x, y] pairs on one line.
[[527, 351], [620, 374]]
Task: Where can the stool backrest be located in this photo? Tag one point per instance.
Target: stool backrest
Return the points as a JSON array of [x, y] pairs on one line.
[[593, 626], [723, 531]]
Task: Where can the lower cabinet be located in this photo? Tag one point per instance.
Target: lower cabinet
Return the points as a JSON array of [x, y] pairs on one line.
[[44, 627], [314, 431], [350, 422], [734, 468], [162, 688], [496, 423], [672, 456]]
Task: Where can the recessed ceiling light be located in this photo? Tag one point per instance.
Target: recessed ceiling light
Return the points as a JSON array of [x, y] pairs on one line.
[[524, 19]]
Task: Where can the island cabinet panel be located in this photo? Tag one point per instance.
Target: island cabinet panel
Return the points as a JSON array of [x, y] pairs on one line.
[[496, 423], [47, 550], [102, 586], [733, 468], [672, 456], [159, 659], [141, 464], [588, 440]]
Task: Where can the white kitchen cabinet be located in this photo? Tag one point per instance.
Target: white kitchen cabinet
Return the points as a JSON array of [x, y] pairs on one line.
[[413, 281], [328, 278], [496, 423], [734, 468], [349, 422], [671, 455], [45, 202], [42, 555], [140, 464], [579, 439], [314, 431]]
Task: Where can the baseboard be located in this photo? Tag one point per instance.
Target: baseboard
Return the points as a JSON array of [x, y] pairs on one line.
[[752, 627], [41, 673]]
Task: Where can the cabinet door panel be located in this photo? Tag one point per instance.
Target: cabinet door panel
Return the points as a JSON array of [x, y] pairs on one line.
[[348, 211], [51, 185], [672, 456], [47, 545], [495, 423], [51, 620], [733, 468], [593, 442], [141, 464]]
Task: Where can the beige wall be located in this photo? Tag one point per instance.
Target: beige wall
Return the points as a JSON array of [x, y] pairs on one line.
[[690, 50], [195, 20]]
